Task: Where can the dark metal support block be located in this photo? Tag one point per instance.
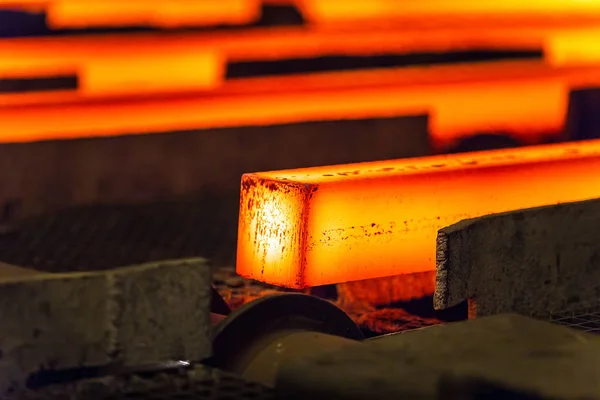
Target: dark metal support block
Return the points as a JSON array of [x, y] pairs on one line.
[[127, 316], [535, 262]]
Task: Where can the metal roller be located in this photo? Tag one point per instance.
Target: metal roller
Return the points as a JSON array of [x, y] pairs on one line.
[[255, 340]]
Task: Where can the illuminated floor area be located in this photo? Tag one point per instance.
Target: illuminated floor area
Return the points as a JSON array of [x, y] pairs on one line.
[[373, 320]]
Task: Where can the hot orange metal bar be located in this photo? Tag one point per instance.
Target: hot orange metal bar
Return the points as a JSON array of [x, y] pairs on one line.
[[119, 68], [70, 13], [158, 13], [525, 99], [34, 56], [22, 3], [326, 225], [25, 5], [31, 57], [573, 47], [150, 73], [437, 11], [109, 65]]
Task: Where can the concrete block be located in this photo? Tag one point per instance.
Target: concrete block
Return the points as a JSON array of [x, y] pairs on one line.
[[499, 355], [131, 315], [532, 262]]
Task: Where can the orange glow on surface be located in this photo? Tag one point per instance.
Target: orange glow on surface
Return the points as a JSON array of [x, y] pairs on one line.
[[527, 99], [373, 293], [371, 220], [237, 291]]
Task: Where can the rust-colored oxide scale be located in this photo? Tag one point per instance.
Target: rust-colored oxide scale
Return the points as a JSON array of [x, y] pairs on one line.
[[326, 225], [272, 230]]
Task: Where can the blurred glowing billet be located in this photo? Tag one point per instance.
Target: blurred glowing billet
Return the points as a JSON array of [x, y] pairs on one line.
[[51, 55], [174, 13], [157, 13], [24, 5], [434, 12], [528, 100], [34, 57], [573, 47], [118, 68], [333, 224]]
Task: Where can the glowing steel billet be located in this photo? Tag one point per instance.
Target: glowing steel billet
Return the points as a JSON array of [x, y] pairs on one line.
[[325, 225], [169, 13], [526, 99], [573, 47], [42, 56], [160, 13], [32, 57], [151, 74], [335, 11], [109, 65], [119, 68], [22, 3], [157, 13], [26, 5]]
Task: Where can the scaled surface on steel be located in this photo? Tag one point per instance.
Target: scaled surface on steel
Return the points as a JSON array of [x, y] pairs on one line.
[[326, 225]]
